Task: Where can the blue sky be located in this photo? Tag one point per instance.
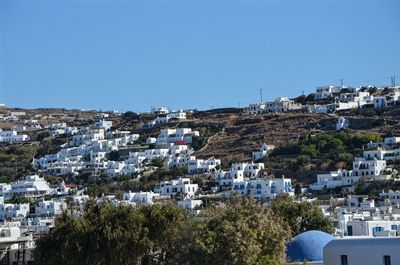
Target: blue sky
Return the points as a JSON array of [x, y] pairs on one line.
[[131, 55]]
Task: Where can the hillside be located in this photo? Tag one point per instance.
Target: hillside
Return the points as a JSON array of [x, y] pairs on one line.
[[227, 134]]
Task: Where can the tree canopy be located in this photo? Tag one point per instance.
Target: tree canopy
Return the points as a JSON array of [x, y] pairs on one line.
[[302, 216], [237, 232]]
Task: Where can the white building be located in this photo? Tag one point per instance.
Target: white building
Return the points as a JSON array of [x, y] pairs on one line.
[[371, 169], [324, 92], [264, 149], [88, 136], [392, 197], [16, 249], [12, 137], [331, 180], [106, 125], [5, 190], [367, 169], [101, 115], [281, 104], [151, 140], [189, 204], [362, 251], [261, 189], [225, 179], [177, 186], [32, 186], [359, 97], [50, 208], [198, 166], [390, 99], [342, 123], [140, 197], [179, 135], [13, 211], [159, 110]]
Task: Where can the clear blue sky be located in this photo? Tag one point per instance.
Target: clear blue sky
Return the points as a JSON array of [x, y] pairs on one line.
[[131, 55]]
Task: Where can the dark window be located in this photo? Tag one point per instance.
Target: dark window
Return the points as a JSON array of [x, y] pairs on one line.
[[386, 260], [343, 260]]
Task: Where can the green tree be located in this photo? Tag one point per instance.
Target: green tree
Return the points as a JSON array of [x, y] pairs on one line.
[[242, 232], [109, 234], [301, 216], [297, 189]]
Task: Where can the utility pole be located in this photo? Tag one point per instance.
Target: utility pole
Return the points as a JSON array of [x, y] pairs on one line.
[[341, 82], [261, 94]]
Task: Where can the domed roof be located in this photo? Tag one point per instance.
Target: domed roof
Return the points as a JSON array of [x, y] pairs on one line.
[[308, 246]]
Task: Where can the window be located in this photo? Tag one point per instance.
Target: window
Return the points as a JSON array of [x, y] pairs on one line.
[[343, 260], [386, 260], [349, 230]]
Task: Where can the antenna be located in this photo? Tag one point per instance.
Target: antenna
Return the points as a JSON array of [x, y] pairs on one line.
[[261, 94], [341, 82]]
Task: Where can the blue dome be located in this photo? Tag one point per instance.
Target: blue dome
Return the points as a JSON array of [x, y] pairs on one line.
[[308, 246]]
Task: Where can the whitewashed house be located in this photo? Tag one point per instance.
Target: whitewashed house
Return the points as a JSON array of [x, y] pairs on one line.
[[179, 115], [5, 191], [280, 104], [262, 189], [238, 172], [382, 154], [324, 92], [106, 125], [151, 140], [177, 161], [177, 186], [371, 169], [342, 123], [140, 197], [264, 149], [13, 211], [50, 208], [179, 135], [12, 137], [334, 179], [199, 166], [387, 100], [360, 98], [159, 110], [101, 115], [189, 204], [367, 169], [392, 197], [362, 251], [88, 136], [32, 186]]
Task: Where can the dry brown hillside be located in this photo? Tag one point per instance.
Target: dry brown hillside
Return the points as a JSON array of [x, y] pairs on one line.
[[243, 133]]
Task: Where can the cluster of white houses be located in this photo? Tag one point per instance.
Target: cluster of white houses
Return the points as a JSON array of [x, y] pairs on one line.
[[89, 148], [12, 136], [281, 104], [86, 150], [163, 116], [343, 97], [249, 179], [372, 166]]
